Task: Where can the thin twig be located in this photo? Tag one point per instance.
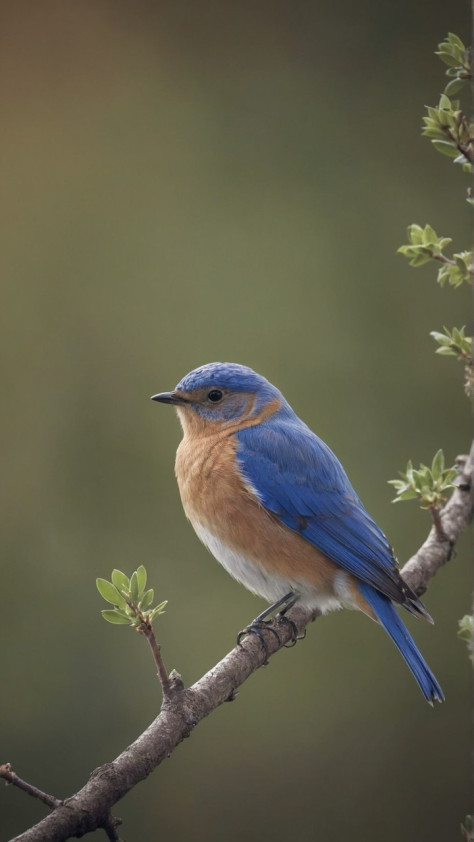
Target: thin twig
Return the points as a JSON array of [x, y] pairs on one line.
[[146, 629], [8, 775], [443, 259], [436, 515]]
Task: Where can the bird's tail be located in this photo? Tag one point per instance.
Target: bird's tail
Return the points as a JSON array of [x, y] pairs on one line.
[[389, 619]]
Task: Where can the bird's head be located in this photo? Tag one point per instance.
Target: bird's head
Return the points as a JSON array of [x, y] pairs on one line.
[[220, 395]]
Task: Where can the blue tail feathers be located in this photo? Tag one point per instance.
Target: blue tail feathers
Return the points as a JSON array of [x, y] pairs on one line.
[[389, 619]]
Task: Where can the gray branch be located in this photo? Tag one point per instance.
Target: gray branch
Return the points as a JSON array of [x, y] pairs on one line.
[[183, 708]]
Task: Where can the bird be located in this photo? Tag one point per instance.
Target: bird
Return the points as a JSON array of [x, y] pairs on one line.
[[274, 506]]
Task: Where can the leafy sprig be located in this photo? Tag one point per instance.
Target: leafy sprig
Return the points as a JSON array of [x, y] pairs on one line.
[[428, 484], [457, 57], [467, 829], [448, 128], [424, 245], [453, 343], [466, 628], [132, 602], [446, 124]]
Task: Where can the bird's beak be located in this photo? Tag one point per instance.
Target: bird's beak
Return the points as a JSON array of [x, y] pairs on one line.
[[169, 397]]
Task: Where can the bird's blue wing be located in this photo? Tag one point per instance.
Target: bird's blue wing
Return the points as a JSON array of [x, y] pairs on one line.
[[298, 478]]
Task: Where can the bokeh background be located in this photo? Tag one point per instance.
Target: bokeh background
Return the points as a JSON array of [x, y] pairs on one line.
[[187, 182]]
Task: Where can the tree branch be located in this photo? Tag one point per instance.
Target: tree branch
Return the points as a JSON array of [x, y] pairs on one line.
[[183, 708], [455, 517]]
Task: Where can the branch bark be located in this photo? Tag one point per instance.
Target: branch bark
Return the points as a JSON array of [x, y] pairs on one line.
[[183, 708]]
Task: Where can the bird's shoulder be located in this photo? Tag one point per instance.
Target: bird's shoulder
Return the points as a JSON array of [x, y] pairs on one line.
[[287, 452], [298, 478]]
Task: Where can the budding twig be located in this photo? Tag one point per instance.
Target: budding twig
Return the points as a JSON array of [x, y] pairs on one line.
[[146, 629]]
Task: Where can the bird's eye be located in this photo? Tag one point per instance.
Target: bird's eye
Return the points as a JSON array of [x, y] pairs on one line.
[[215, 395]]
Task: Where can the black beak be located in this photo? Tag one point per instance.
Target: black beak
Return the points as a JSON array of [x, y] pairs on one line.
[[169, 397]]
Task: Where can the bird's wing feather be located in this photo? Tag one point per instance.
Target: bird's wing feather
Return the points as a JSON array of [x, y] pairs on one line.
[[298, 478]]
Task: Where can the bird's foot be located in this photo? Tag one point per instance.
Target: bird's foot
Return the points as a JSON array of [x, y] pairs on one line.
[[294, 631], [295, 636], [257, 627]]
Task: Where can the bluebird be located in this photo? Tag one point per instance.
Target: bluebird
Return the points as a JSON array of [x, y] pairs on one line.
[[274, 505]]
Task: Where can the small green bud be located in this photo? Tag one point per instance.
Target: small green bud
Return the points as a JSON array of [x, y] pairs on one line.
[[466, 628]]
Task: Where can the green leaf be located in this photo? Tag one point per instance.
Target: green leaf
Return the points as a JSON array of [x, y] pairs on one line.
[[120, 580], [440, 337], [445, 103], [443, 275], [141, 578], [109, 592], [418, 478], [446, 147], [433, 131], [409, 471], [415, 234], [468, 824], [456, 41], [409, 494], [147, 599], [134, 587], [116, 618], [462, 260], [420, 260], [443, 242], [448, 59], [445, 352], [454, 86], [429, 235], [158, 610], [437, 465]]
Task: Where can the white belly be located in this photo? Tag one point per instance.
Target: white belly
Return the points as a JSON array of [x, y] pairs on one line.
[[271, 587]]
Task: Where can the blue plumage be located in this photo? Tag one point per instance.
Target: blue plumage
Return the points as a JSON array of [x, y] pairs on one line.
[[231, 376], [298, 478], [404, 642]]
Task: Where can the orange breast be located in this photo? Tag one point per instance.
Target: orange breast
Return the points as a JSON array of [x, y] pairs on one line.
[[216, 499]]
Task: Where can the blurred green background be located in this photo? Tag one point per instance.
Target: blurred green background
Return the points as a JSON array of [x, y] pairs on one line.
[[188, 182]]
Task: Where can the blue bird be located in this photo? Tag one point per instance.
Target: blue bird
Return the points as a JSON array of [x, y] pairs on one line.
[[274, 506]]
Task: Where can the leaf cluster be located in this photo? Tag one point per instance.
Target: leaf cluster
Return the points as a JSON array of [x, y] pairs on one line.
[[466, 628], [456, 271], [467, 828], [424, 245], [453, 343], [132, 602], [448, 128], [429, 484], [456, 56]]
